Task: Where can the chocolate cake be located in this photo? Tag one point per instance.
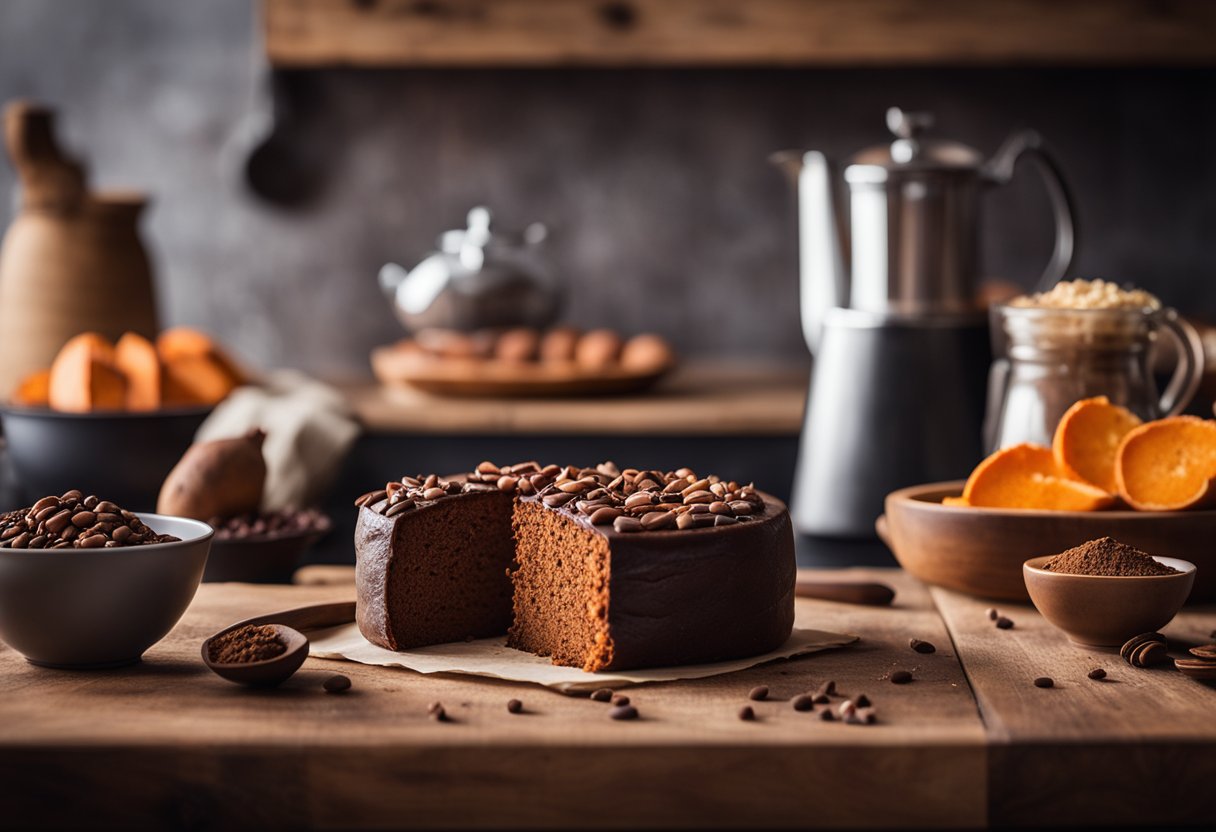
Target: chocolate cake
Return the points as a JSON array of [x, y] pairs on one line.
[[593, 567]]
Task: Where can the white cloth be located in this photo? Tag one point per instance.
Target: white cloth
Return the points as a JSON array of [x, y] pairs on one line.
[[309, 430]]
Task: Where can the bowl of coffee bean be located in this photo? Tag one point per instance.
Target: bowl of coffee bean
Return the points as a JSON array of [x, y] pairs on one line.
[[263, 547], [85, 583], [1103, 592]]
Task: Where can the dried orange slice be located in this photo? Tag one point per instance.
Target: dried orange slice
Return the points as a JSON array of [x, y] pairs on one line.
[[1168, 465], [1026, 476], [1088, 438]]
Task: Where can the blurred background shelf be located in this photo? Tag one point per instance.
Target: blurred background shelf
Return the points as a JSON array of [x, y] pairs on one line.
[[453, 33], [697, 399]]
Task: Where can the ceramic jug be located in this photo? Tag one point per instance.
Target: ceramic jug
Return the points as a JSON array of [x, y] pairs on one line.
[[71, 261]]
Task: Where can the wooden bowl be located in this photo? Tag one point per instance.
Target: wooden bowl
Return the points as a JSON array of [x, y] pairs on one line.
[[263, 674], [980, 551], [1105, 611]]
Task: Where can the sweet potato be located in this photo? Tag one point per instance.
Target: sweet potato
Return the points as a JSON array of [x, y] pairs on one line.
[[137, 359], [196, 380], [1087, 439], [1168, 465], [217, 479], [34, 390], [184, 342], [83, 377], [1026, 476]]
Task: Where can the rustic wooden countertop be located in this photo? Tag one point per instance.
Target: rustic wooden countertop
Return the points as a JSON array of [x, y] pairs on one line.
[[698, 398], [969, 743]]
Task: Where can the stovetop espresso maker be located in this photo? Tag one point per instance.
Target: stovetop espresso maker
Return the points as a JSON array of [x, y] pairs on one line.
[[897, 330]]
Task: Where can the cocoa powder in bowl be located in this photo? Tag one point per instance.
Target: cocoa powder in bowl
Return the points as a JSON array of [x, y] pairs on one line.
[[1107, 557]]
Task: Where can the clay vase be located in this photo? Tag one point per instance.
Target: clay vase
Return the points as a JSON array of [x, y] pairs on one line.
[[71, 261]]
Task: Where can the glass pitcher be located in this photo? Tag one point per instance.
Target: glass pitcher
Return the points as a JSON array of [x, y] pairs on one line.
[[1054, 357]]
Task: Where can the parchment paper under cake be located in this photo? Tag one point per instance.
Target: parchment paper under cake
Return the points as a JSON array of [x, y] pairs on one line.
[[492, 658]]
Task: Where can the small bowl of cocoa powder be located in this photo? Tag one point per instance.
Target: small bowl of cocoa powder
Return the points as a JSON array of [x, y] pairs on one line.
[[259, 655], [1103, 592]]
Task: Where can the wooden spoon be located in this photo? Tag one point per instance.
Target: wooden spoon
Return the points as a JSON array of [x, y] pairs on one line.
[[263, 674]]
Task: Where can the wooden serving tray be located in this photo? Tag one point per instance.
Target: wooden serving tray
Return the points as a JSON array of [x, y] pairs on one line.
[[473, 377]]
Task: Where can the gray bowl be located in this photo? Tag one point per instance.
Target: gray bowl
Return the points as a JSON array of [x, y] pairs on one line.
[[122, 457], [90, 608]]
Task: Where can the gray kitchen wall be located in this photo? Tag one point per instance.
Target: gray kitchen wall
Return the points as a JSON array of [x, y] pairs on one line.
[[666, 215]]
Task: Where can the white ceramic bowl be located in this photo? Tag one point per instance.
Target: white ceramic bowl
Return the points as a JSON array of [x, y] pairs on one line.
[[88, 608]]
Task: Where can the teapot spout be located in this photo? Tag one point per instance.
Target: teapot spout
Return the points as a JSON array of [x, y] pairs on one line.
[[823, 281]]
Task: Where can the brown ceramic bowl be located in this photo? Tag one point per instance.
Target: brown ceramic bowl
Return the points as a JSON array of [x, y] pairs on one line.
[[980, 551], [261, 559], [1105, 611]]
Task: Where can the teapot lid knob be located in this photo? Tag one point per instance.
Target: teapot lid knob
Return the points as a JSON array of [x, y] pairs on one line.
[[908, 127]]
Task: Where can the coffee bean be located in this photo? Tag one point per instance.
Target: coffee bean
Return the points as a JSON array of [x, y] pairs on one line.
[[694, 487], [638, 499], [1003, 623], [604, 516], [659, 520], [623, 712], [58, 521], [901, 677], [803, 702], [93, 541], [758, 693], [1097, 673], [39, 542], [45, 502], [620, 699], [686, 521], [336, 683], [740, 507], [700, 497], [557, 500], [602, 695], [486, 467], [433, 493], [22, 541], [108, 517], [922, 646], [1044, 682], [746, 713], [400, 508], [722, 508], [90, 501], [574, 487], [626, 525], [514, 706], [44, 514]]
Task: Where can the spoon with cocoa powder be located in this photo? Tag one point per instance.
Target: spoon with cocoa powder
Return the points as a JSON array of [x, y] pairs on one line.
[[258, 655]]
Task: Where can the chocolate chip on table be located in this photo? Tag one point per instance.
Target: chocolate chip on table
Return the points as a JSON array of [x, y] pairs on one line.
[[803, 702], [992, 614], [1044, 682], [828, 688], [436, 712], [747, 713], [514, 706], [758, 694], [1097, 673], [821, 699], [1003, 623], [620, 700], [826, 715], [336, 683], [602, 695], [862, 701], [623, 712], [901, 677], [922, 646]]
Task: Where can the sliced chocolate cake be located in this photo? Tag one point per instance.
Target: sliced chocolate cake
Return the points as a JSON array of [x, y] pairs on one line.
[[594, 567]]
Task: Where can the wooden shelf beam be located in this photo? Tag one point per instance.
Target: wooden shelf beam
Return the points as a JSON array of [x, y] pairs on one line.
[[626, 33]]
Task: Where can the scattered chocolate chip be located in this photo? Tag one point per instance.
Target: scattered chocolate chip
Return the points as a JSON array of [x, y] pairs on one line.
[[922, 646], [992, 614], [620, 700], [803, 702], [436, 712], [514, 706], [336, 683], [828, 688], [826, 715], [602, 695], [1003, 623], [623, 712], [901, 677], [1044, 682], [758, 694], [746, 713], [1097, 673], [821, 699], [862, 701]]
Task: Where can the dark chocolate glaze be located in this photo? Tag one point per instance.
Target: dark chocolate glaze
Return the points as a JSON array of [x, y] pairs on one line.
[[677, 596]]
